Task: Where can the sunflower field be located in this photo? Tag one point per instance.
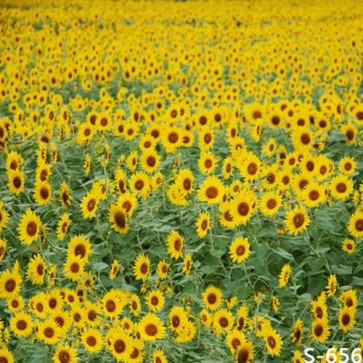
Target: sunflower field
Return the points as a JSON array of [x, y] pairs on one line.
[[181, 181]]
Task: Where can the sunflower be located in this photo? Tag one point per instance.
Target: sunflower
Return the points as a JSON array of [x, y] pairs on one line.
[[222, 321], [48, 331], [93, 312], [65, 196], [297, 332], [114, 270], [207, 162], [5, 355], [341, 187], [319, 307], [15, 304], [225, 217], [89, 205], [227, 167], [234, 339], [284, 275], [63, 226], [245, 352], [332, 285], [188, 263], [118, 218], [140, 184], [175, 243], [273, 342], [347, 318], [128, 202], [120, 344], [297, 220], [270, 203], [314, 194], [320, 330], [186, 333], [349, 298], [132, 160], [239, 249], [171, 139], [142, 267], [211, 190], [347, 165], [184, 181], [37, 304], [163, 269], [65, 354], [243, 206], [14, 161], [10, 282], [177, 317], [53, 301], [137, 354], [16, 181], [3, 247], [206, 138], [155, 300], [73, 268], [78, 315], [203, 224], [206, 318], [298, 357], [150, 161], [36, 270], [159, 356], [43, 172], [151, 328], [79, 246], [355, 226], [212, 298], [302, 138], [250, 167], [21, 324], [4, 216], [135, 304], [92, 340]]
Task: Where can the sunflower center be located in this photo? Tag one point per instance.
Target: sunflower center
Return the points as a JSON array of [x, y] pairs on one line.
[[318, 330], [298, 220], [212, 298], [349, 302], [15, 303], [243, 356], [43, 175], [120, 219], [40, 269], [91, 341], [139, 185], [80, 250], [91, 204], [252, 168], [17, 182], [346, 319], [104, 121], [59, 320], [314, 195], [297, 334], [241, 323], [39, 307], [177, 244], [175, 321], [144, 268], [207, 138], [151, 329], [348, 166], [32, 228], [310, 165], [173, 137], [92, 315], [135, 353], [21, 324], [212, 192], [65, 197], [271, 203], [64, 356], [52, 303], [359, 115], [227, 216], [323, 170], [271, 178], [203, 120], [44, 193], [208, 163], [204, 225], [319, 312], [75, 267], [77, 317], [151, 161], [303, 183], [243, 209], [10, 285], [223, 322], [305, 139], [240, 251], [341, 187], [110, 306], [49, 332], [271, 342], [359, 225], [235, 343]]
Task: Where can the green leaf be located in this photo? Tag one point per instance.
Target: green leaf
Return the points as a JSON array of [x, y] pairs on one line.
[[283, 253]]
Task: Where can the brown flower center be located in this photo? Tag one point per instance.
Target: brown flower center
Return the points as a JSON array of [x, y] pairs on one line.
[[151, 329], [298, 220], [32, 229]]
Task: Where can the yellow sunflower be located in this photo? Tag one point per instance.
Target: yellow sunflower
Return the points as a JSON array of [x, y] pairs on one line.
[[175, 243], [21, 324], [297, 332], [222, 321], [3, 248], [203, 224], [155, 300], [4, 216], [159, 356], [79, 246], [140, 184], [341, 187], [273, 342], [10, 282], [118, 218], [332, 285], [347, 318], [239, 249], [89, 205], [151, 328], [73, 268], [65, 196], [211, 190], [284, 275], [320, 330], [65, 354], [150, 161], [355, 225], [115, 268], [120, 344], [5, 355], [245, 352], [92, 340], [270, 203], [142, 267], [16, 181], [36, 270], [63, 226], [212, 298], [297, 220]]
